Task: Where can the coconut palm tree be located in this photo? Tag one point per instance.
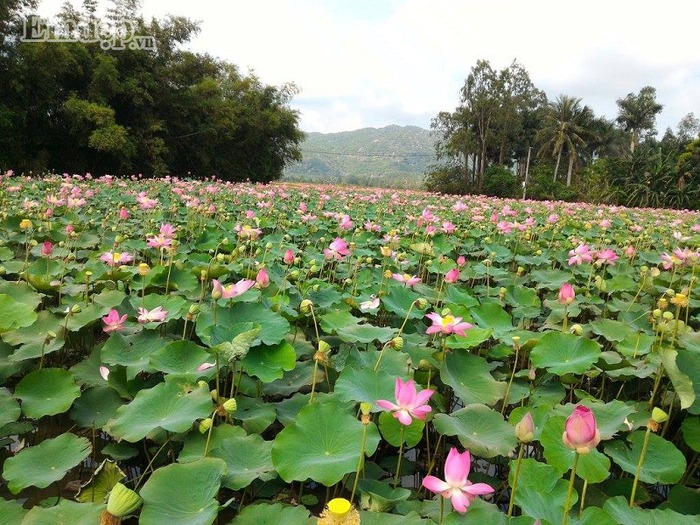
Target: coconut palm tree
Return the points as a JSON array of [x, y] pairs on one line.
[[565, 130]]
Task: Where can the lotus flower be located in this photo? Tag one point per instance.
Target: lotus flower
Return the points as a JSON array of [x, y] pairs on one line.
[[231, 290], [157, 315], [447, 325], [456, 486], [581, 430], [337, 249], [409, 403], [406, 279], [566, 294], [112, 321]]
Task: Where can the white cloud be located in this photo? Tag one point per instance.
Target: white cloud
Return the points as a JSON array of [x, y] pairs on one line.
[[378, 62]]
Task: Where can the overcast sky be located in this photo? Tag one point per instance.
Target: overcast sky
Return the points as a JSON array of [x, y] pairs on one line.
[[361, 63]]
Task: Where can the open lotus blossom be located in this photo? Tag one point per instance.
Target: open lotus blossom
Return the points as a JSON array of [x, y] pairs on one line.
[[579, 255], [581, 430], [231, 290], [406, 279], [452, 276], [460, 491], [409, 403], [337, 249], [370, 304], [113, 322], [115, 258], [159, 241], [447, 325], [606, 256], [156, 315]]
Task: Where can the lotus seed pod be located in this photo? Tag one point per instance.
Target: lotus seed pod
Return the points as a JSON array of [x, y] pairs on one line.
[[205, 424], [76, 309], [305, 306], [421, 303], [220, 257], [365, 408], [656, 313], [294, 275], [224, 241], [324, 347], [445, 312], [143, 269], [230, 406], [387, 274], [487, 262], [576, 329], [123, 501], [397, 343], [194, 309], [668, 316], [269, 246], [662, 303], [655, 272]]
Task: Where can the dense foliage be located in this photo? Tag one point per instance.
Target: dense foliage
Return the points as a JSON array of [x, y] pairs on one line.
[[503, 119], [191, 351], [67, 106]]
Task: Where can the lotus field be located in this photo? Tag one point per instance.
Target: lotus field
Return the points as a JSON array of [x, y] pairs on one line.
[[193, 352]]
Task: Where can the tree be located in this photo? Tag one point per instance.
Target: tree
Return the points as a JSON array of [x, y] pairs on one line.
[[637, 114], [566, 129]]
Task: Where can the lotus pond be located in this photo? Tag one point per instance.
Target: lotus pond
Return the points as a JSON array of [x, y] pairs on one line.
[[196, 352]]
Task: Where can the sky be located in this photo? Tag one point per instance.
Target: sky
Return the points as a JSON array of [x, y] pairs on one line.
[[372, 63]]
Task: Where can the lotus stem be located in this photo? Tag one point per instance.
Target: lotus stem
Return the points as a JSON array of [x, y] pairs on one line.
[[570, 490], [515, 480], [397, 476], [639, 465]]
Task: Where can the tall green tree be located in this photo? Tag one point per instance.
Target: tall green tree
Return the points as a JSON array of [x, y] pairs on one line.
[[566, 129], [637, 114]]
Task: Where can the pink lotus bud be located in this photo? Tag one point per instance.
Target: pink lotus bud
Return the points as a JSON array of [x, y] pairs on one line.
[[69, 229], [452, 276], [566, 294], [123, 214], [262, 279], [581, 430], [461, 261], [288, 257], [525, 429], [46, 248]]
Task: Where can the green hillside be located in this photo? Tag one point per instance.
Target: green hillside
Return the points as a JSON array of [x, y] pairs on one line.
[[394, 156]]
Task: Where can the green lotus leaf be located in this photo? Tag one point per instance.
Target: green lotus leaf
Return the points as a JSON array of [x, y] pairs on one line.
[[623, 514], [247, 458], [470, 377], [96, 406], [239, 346], [691, 432], [615, 331], [683, 499], [21, 292], [45, 392], [179, 358], [288, 409], [64, 513], [103, 480], [399, 300], [132, 351], [11, 512], [14, 314], [472, 338], [479, 429], [663, 462], [492, 315], [32, 340], [459, 296], [9, 408], [273, 326], [294, 380], [262, 513], [682, 384], [325, 297], [365, 385], [563, 354], [390, 361], [394, 432], [541, 491], [254, 413], [171, 405], [689, 364], [195, 443], [383, 518], [183, 494], [269, 362], [635, 345], [323, 444], [41, 465], [593, 467], [380, 497]]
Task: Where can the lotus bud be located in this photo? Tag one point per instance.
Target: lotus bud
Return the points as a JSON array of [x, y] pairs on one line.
[[502, 292], [305, 306], [205, 424], [655, 272], [203, 275], [143, 269], [201, 384], [194, 309], [531, 374], [525, 429], [397, 343], [581, 430], [230, 406], [294, 275], [566, 294], [487, 262], [123, 501], [76, 309]]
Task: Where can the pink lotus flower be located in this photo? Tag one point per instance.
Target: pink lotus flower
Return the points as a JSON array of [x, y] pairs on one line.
[[409, 403], [115, 258], [456, 486], [46, 248], [205, 366], [104, 372], [447, 325], [159, 241], [123, 214], [345, 223], [452, 276], [607, 256], [579, 255], [167, 230], [337, 249], [288, 257], [262, 279], [408, 280], [157, 315], [566, 294], [112, 321], [231, 290], [461, 261], [581, 430]]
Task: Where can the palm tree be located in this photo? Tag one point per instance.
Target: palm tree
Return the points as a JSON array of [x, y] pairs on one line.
[[565, 129], [638, 114]]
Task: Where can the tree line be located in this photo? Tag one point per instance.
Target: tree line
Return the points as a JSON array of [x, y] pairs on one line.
[[506, 138], [74, 106]]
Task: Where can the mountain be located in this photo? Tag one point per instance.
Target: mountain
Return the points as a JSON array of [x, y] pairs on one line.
[[393, 156]]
